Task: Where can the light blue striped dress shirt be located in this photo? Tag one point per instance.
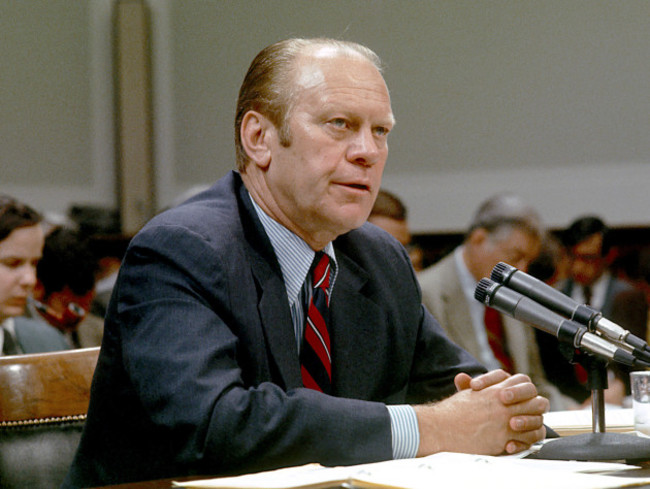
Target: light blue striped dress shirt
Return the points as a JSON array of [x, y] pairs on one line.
[[295, 258]]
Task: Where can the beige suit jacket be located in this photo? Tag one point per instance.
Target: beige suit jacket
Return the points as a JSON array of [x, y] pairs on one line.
[[443, 296]]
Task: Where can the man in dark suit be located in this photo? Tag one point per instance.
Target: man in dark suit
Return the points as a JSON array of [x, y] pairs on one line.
[[203, 364], [588, 242]]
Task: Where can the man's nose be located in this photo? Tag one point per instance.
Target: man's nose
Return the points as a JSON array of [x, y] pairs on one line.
[[364, 148], [28, 276]]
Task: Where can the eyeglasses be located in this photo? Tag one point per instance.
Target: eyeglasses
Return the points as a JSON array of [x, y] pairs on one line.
[[587, 258], [72, 314]]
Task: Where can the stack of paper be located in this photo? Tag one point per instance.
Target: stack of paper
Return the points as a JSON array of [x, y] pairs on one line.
[[580, 421], [443, 470]]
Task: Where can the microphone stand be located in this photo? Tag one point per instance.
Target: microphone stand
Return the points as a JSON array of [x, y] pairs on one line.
[[597, 382], [597, 445]]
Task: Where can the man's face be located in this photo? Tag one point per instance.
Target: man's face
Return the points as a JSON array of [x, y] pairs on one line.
[[397, 228], [588, 262], [19, 254], [325, 182], [517, 248]]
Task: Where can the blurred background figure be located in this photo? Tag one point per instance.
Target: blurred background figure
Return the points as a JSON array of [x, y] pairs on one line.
[[590, 281], [641, 278], [504, 228], [65, 288], [109, 252], [21, 247], [390, 214], [552, 264], [108, 244]]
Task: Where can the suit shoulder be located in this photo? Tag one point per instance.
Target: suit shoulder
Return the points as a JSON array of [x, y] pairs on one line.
[[212, 215], [30, 325], [370, 241], [37, 336]]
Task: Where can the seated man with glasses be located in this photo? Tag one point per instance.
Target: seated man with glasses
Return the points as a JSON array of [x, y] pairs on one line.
[[590, 281]]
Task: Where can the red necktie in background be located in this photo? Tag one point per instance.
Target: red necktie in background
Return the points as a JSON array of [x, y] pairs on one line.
[[315, 356], [496, 338], [581, 373]]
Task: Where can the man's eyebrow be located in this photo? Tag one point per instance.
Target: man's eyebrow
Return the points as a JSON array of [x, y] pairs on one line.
[[389, 122]]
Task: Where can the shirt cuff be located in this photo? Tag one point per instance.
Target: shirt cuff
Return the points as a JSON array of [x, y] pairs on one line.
[[404, 431]]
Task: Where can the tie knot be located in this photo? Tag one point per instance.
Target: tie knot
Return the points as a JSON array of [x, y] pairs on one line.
[[321, 274]]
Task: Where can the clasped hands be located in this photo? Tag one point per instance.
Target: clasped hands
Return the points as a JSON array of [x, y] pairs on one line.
[[491, 414]]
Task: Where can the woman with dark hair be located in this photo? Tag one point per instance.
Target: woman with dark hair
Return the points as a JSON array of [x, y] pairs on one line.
[[21, 246]]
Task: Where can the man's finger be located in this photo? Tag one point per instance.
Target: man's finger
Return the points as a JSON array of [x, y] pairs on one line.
[[523, 441], [462, 381], [490, 378], [526, 423], [518, 393]]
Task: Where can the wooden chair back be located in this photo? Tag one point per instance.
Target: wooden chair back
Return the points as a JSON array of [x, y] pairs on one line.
[[46, 387], [43, 404]]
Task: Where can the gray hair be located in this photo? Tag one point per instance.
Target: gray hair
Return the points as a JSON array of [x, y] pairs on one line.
[[502, 213]]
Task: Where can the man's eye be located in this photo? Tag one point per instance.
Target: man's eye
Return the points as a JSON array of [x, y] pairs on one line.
[[11, 263], [339, 123], [381, 131]]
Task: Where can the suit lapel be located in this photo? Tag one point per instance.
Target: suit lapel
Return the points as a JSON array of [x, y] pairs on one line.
[[278, 326], [354, 320], [273, 303], [456, 312]]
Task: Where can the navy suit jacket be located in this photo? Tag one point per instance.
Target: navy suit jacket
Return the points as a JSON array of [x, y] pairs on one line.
[[198, 370]]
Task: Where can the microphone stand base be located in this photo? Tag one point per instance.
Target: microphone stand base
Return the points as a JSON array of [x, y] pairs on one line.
[[594, 447]]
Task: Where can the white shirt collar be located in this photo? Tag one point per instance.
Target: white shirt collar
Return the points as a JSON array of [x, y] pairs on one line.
[[6, 325], [293, 253]]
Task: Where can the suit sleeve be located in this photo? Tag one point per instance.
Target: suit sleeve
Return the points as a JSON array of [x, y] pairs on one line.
[[437, 361]]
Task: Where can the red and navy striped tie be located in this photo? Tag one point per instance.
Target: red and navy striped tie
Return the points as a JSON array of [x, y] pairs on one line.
[[315, 356]]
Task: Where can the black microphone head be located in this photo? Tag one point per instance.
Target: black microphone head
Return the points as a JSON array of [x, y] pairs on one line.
[[480, 293], [501, 272]]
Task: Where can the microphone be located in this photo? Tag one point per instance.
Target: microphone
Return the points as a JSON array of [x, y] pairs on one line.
[[525, 309], [561, 303]]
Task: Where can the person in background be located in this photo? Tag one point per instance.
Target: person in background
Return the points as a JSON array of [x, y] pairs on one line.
[[390, 214], [590, 281], [552, 264], [587, 240], [641, 278], [21, 247], [263, 323], [503, 229], [65, 288]]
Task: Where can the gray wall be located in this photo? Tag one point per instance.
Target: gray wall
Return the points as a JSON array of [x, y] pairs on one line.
[[547, 99], [56, 128]]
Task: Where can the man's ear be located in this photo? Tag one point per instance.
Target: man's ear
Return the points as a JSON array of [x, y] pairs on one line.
[[478, 236], [256, 132], [39, 291]]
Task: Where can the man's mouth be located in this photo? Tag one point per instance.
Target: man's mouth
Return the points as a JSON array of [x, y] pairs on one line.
[[358, 186]]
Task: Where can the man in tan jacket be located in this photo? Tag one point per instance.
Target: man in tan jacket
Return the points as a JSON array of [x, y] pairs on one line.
[[506, 229]]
